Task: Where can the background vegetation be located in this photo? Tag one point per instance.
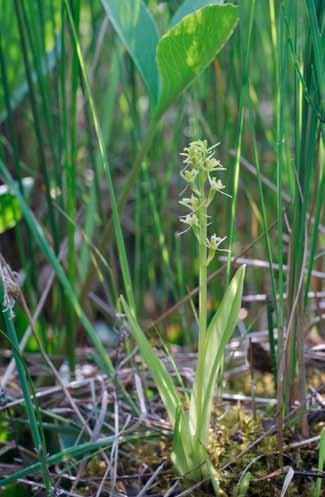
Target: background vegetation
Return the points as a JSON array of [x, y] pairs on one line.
[[89, 203]]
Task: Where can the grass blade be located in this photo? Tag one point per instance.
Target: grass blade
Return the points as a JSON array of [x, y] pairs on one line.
[[161, 377]]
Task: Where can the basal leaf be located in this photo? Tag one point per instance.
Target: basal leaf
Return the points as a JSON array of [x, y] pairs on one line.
[[161, 377], [189, 47], [190, 6], [225, 319], [189, 456], [182, 443], [137, 30], [219, 333]]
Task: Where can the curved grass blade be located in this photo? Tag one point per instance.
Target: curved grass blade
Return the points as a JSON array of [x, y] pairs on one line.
[[35, 426], [162, 379]]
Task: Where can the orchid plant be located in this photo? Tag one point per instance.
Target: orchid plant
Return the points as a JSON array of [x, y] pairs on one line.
[[191, 425]]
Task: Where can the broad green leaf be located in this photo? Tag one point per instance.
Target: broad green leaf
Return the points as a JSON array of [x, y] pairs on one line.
[[10, 211], [137, 30], [162, 379], [189, 47], [190, 6], [198, 33], [219, 333]]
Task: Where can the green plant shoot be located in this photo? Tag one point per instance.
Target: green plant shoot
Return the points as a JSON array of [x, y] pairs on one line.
[[191, 427]]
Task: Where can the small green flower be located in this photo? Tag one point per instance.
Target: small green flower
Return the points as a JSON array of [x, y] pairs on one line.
[[192, 202], [216, 185], [215, 241], [211, 164], [200, 163], [189, 175], [192, 221], [213, 245]]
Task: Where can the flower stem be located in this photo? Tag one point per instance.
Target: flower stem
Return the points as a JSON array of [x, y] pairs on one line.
[[202, 300]]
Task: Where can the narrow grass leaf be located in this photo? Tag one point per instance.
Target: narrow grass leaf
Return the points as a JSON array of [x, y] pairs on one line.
[[105, 165], [34, 424]]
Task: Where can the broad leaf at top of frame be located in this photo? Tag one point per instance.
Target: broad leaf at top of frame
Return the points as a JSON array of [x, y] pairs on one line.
[[189, 47], [199, 30]]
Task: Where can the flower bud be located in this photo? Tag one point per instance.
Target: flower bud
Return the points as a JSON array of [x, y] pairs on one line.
[[215, 241], [213, 245]]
